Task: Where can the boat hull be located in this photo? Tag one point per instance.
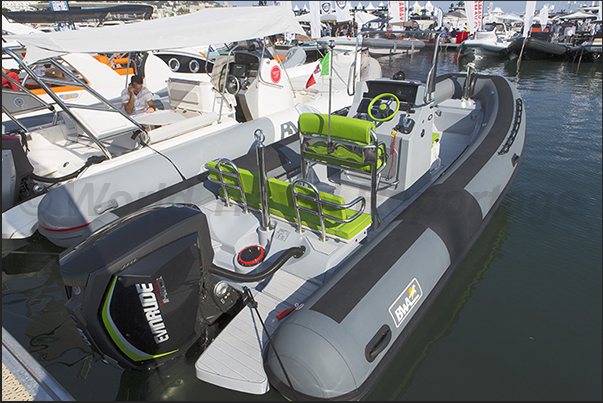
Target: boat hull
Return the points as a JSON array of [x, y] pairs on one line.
[[588, 51], [347, 333], [484, 49], [535, 49]]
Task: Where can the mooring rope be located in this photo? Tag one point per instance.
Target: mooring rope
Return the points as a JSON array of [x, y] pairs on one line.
[[254, 305]]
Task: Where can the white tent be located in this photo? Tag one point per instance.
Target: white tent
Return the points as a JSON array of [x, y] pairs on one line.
[[429, 7], [578, 15], [323, 17], [296, 8], [305, 8], [203, 28], [509, 17], [416, 8], [362, 18], [370, 7]]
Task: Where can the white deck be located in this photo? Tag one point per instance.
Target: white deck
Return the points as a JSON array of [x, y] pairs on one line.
[[226, 363]]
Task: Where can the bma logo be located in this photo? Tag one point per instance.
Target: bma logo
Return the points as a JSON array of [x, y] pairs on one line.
[[401, 307], [326, 7]]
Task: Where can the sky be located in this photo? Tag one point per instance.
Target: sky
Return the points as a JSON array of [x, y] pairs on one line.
[[517, 7]]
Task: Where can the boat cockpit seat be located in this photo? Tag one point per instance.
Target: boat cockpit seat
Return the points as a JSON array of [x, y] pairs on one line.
[[182, 127], [190, 95], [353, 147], [299, 202]]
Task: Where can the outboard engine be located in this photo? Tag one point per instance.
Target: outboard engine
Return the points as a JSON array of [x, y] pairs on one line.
[[16, 171], [134, 286]]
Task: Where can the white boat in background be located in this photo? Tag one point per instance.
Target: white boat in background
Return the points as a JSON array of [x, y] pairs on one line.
[[98, 71], [492, 41], [381, 46], [93, 159]]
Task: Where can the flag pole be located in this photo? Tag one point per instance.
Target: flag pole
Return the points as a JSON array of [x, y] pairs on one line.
[[331, 46]]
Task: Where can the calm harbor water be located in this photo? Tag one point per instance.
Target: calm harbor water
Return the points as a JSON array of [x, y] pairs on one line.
[[520, 319]]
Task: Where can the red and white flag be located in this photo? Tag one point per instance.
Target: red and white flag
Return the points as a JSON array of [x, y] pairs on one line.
[[321, 70]]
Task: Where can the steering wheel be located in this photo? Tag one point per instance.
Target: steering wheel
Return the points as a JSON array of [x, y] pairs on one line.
[[232, 85], [381, 106]]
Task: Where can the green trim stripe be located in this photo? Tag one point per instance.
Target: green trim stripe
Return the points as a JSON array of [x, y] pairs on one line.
[[132, 352]]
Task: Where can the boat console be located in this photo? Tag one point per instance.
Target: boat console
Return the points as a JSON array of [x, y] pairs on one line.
[[252, 75], [400, 124]]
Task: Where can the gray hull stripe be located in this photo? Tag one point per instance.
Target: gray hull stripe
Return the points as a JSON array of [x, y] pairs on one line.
[[455, 218]]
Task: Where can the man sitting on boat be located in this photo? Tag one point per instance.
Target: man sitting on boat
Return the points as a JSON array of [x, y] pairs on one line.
[[137, 98]]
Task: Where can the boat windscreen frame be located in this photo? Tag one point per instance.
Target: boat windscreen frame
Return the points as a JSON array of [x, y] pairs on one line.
[[42, 82]]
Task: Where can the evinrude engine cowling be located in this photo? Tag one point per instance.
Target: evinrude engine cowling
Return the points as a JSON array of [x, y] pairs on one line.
[[134, 286]]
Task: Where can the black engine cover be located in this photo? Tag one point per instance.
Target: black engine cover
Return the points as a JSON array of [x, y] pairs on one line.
[[134, 286]]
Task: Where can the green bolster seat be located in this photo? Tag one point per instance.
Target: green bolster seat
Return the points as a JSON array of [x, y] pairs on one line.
[[346, 134], [281, 204], [250, 182], [342, 156], [355, 130]]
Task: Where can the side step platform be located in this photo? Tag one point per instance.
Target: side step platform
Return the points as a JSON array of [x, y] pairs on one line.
[[234, 360]]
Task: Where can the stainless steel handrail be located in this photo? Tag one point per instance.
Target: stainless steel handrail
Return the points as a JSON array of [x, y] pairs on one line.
[[57, 100], [431, 76], [319, 204], [471, 72], [261, 155], [235, 175], [66, 108], [225, 81], [98, 96], [29, 92]]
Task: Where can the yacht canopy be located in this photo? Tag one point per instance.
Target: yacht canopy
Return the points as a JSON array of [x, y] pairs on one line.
[[203, 28]]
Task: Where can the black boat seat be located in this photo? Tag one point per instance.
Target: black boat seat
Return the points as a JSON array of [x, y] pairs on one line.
[[306, 206]]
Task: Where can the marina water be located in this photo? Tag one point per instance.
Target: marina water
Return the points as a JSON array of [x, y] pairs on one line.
[[520, 319]]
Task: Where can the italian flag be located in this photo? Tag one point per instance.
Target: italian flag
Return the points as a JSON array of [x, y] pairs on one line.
[[321, 70]]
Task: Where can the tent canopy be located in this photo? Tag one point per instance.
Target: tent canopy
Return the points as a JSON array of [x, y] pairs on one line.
[[323, 17], [203, 28], [363, 17], [578, 15]]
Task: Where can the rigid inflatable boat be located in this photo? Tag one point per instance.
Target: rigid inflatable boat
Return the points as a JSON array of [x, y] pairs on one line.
[[306, 264], [537, 46]]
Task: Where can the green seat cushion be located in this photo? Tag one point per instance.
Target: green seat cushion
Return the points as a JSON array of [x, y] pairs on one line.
[[281, 205], [250, 182], [356, 130], [280, 202], [342, 156]]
